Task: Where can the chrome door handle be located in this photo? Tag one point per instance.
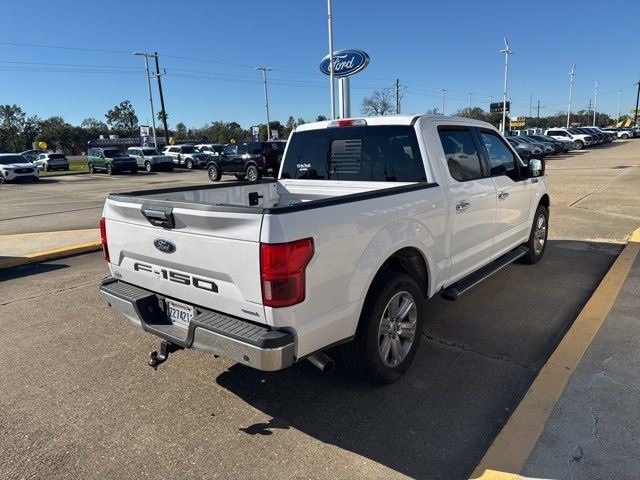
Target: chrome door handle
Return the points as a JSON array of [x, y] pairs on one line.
[[462, 206], [503, 195]]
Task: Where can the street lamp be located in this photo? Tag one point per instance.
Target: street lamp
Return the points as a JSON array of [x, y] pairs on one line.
[[266, 97], [444, 92], [470, 93], [572, 74], [506, 52], [331, 88], [153, 116], [618, 117], [595, 105]]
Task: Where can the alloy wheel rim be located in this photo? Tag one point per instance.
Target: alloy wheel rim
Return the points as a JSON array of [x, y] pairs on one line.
[[213, 172], [252, 174], [540, 234], [397, 329]]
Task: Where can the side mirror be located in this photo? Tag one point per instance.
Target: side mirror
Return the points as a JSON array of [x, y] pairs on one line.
[[536, 168]]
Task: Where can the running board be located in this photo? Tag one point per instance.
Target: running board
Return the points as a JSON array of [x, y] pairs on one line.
[[470, 281]]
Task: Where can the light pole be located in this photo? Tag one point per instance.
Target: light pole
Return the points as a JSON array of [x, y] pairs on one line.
[[572, 74], [506, 52], [470, 93], [153, 116], [618, 117], [332, 93], [595, 105], [264, 71], [444, 92]]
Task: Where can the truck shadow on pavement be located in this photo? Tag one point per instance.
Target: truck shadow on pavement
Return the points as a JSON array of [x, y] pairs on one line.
[[477, 357]]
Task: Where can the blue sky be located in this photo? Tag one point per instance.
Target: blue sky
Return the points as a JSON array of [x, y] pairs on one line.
[[209, 50]]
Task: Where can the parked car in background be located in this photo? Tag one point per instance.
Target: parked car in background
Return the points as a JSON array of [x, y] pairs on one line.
[[538, 151], [547, 148], [598, 138], [620, 132], [526, 152], [111, 160], [14, 166], [601, 136], [31, 155], [214, 149], [562, 146], [250, 160], [149, 159], [611, 135], [48, 162], [186, 156], [579, 139]]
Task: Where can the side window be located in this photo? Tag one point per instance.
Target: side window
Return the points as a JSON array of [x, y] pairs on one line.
[[461, 154], [501, 159]]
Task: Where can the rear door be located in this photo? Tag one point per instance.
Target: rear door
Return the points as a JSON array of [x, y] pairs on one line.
[[473, 207], [514, 192], [214, 256]]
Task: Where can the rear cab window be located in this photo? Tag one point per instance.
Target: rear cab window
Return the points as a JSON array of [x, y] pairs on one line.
[[362, 153], [461, 153]]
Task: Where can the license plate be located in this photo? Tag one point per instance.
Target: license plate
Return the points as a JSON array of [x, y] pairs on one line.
[[179, 313]]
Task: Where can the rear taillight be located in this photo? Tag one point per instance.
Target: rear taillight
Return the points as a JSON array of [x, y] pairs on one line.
[[282, 271], [103, 238]]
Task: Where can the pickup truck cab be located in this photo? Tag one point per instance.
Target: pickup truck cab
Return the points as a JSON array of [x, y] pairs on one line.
[[110, 160], [250, 160], [149, 159], [368, 218]]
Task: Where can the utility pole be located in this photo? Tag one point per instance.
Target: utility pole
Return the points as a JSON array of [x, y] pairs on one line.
[[330, 27], [530, 103], [572, 74], [264, 71], [588, 112], [444, 92], [506, 52], [153, 116], [164, 112], [470, 93], [618, 117], [397, 85], [635, 113], [538, 120], [595, 105]]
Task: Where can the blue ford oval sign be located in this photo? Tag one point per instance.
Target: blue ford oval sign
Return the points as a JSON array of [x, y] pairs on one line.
[[164, 245], [345, 63]]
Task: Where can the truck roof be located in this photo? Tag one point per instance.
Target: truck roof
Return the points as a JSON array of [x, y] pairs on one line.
[[409, 119]]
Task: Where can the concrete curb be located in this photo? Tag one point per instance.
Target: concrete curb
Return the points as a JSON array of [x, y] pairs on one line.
[[510, 450], [51, 254]]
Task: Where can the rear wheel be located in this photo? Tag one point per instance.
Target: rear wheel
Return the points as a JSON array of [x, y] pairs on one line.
[[214, 173], [537, 242], [147, 166], [625, 136], [109, 169], [253, 174], [189, 164], [91, 170], [579, 144], [2, 180], [389, 331]]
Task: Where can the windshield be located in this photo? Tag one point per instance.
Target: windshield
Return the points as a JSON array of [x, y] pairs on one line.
[[113, 153], [574, 131], [9, 159], [189, 149], [56, 156], [230, 149], [150, 151]]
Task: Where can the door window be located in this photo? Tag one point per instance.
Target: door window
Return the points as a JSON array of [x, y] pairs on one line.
[[502, 161], [461, 154]]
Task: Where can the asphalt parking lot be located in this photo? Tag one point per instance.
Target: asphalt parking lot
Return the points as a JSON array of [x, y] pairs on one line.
[[78, 400]]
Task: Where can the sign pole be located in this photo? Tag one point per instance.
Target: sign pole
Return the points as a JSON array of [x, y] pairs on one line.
[[266, 98], [506, 52], [344, 97], [572, 74], [332, 93], [595, 105]]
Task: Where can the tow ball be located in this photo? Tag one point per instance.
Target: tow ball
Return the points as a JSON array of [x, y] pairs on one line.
[[166, 348]]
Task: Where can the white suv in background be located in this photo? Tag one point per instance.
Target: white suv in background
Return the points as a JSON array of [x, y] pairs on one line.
[[14, 166], [580, 140]]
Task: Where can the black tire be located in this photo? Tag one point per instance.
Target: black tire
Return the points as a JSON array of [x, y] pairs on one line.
[[2, 180], [189, 164], [214, 173], [91, 169], [109, 169], [45, 168], [253, 173], [170, 168], [624, 136], [35, 179], [147, 166], [240, 176], [537, 243], [134, 170], [364, 356], [579, 144]]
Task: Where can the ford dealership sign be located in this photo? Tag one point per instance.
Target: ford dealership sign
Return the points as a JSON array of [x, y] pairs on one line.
[[345, 62]]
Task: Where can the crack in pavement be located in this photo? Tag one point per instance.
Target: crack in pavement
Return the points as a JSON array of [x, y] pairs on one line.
[[616, 177], [92, 282], [464, 348]]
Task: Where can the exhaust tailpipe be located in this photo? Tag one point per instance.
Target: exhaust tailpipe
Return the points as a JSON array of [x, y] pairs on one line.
[[322, 362]]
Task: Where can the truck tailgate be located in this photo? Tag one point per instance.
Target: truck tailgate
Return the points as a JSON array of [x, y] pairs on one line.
[[215, 262]]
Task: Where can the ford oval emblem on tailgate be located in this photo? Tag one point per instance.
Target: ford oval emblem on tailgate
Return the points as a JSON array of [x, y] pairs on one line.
[[164, 245]]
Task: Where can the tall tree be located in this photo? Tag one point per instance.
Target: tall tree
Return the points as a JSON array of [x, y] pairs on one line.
[[12, 122], [380, 103], [321, 118], [122, 119]]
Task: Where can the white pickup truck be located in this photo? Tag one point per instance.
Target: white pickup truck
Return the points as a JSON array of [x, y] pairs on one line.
[[368, 218]]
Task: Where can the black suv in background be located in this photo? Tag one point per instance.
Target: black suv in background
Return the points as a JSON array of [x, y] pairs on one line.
[[250, 160]]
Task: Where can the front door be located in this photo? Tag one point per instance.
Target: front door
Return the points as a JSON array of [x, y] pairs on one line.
[[473, 195], [514, 193]]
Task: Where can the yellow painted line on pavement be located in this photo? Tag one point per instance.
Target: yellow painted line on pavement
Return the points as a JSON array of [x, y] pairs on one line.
[[51, 254], [58, 232], [510, 450]]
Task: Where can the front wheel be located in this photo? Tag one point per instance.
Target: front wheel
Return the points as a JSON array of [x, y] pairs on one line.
[[579, 144], [91, 170], [147, 166], [625, 136], [537, 242], [253, 174], [35, 179], [109, 169], [389, 331], [214, 173], [189, 164]]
